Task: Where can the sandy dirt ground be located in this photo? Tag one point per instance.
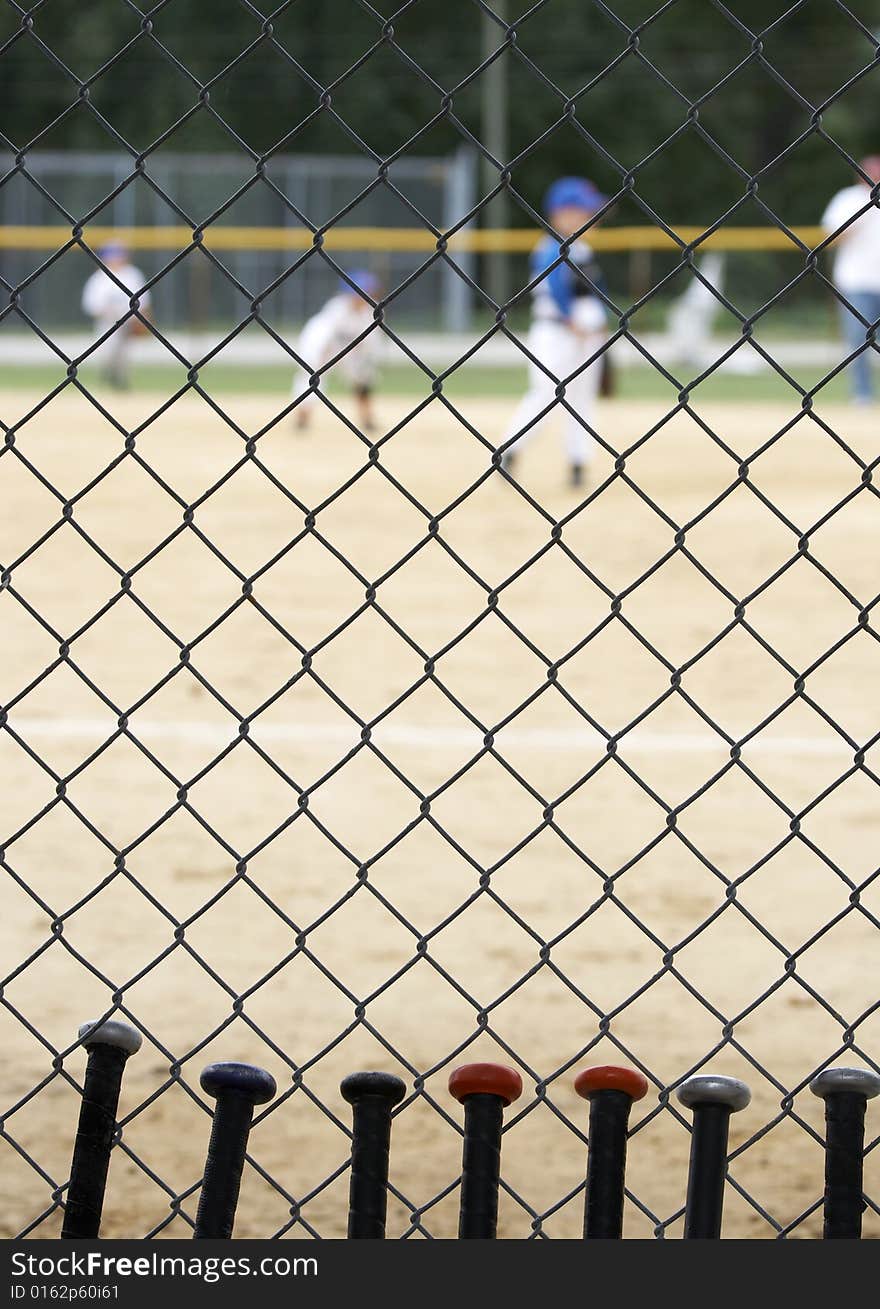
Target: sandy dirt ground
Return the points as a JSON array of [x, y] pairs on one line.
[[318, 898]]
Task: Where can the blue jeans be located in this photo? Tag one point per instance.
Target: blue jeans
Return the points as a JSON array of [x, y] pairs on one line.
[[866, 303]]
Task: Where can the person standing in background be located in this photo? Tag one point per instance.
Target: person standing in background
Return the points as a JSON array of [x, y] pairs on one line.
[[108, 305], [339, 332], [568, 329], [853, 221]]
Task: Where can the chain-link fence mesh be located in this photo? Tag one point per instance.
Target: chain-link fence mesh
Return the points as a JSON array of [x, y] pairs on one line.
[[344, 748]]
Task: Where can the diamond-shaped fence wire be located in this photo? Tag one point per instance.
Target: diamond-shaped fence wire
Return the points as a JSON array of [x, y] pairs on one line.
[[372, 742]]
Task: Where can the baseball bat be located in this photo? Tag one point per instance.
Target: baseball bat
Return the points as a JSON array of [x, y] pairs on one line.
[[846, 1092], [238, 1089], [485, 1090], [611, 1092], [108, 1045], [713, 1099], [372, 1096]]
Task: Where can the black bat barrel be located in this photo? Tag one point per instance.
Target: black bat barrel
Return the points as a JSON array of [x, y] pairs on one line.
[[372, 1097], [238, 1089], [611, 1092], [713, 1099], [109, 1045], [846, 1092], [485, 1090]]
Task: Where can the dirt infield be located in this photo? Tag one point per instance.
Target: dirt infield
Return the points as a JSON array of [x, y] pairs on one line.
[[164, 883]]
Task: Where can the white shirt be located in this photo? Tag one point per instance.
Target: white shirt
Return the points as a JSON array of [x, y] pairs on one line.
[[105, 302], [857, 253], [335, 326]]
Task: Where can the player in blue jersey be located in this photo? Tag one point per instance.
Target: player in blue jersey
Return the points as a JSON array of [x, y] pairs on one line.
[[568, 327]]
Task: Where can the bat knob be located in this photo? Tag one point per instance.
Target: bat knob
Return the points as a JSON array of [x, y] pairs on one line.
[[245, 1080], [387, 1086], [485, 1079], [111, 1032], [608, 1077], [859, 1081], [709, 1088]]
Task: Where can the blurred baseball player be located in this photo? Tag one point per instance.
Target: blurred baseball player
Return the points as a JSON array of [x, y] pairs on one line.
[[568, 326], [333, 328], [107, 304], [857, 268], [689, 325]]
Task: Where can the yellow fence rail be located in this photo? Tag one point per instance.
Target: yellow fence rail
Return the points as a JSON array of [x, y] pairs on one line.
[[400, 239]]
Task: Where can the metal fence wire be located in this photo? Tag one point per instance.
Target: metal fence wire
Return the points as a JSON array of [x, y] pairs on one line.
[[56, 983]]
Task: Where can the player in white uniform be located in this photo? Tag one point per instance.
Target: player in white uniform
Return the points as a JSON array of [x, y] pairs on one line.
[[333, 328], [857, 269], [568, 327], [689, 325], [107, 304]]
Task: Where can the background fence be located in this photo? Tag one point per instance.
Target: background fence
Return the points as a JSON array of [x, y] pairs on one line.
[[338, 748], [199, 185]]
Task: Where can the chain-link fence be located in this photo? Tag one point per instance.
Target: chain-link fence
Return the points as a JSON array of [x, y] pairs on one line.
[[386, 740], [316, 184]]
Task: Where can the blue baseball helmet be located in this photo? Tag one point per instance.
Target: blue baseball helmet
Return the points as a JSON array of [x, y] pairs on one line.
[[113, 250], [364, 280], [575, 192]]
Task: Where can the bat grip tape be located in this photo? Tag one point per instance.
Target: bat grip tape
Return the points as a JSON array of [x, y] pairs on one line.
[[94, 1138], [371, 1143], [223, 1167]]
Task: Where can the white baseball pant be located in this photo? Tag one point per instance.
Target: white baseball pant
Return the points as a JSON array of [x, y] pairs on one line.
[[561, 350], [113, 356]]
